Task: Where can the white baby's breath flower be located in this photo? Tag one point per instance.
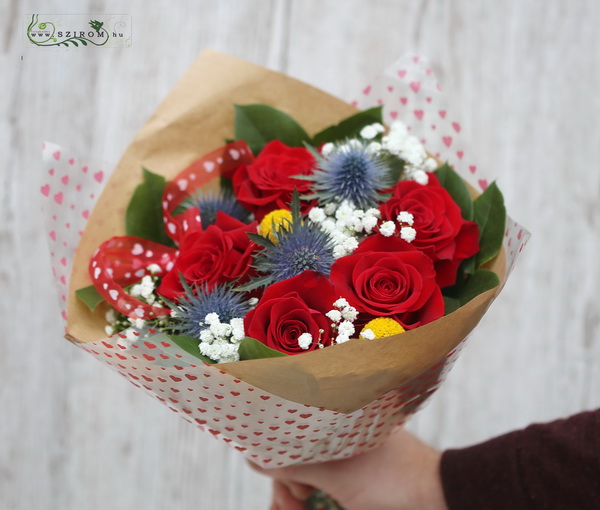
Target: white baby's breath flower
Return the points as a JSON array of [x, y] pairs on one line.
[[330, 208], [339, 251], [146, 286], [350, 244], [316, 214], [368, 334], [350, 313], [371, 131], [374, 148], [220, 330], [387, 228], [369, 223], [110, 315], [340, 339], [341, 303], [137, 323], [408, 234], [212, 318], [327, 149], [346, 328], [237, 329], [154, 269], [334, 315], [328, 225], [304, 340], [430, 164], [344, 212], [206, 336], [109, 330], [420, 177], [406, 217], [220, 351]]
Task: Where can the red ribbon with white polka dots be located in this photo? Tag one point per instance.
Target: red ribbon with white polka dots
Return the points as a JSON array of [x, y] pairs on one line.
[[192, 178], [123, 261]]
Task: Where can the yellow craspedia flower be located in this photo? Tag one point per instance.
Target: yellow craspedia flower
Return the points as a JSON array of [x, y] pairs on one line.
[[380, 328], [279, 218]]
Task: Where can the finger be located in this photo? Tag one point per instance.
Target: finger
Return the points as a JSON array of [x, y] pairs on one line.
[[283, 498], [299, 490]]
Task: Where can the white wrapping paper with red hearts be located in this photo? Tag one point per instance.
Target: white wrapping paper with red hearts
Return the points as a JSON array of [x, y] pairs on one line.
[[322, 405]]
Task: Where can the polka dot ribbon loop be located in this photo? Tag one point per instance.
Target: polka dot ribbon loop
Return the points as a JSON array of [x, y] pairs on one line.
[[123, 261], [199, 173]]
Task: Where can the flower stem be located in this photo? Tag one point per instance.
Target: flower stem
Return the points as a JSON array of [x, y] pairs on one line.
[[321, 501]]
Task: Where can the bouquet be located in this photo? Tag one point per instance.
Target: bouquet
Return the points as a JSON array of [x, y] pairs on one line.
[[291, 274]]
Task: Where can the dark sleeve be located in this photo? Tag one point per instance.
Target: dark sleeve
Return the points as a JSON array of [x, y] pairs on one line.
[[550, 466]]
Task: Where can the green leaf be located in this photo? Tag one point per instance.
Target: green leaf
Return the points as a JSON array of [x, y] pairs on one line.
[[350, 127], [144, 217], [490, 215], [190, 345], [468, 265], [89, 296], [251, 348], [396, 166], [258, 124], [466, 289], [263, 241], [255, 283], [450, 305], [457, 189], [479, 282], [226, 184]]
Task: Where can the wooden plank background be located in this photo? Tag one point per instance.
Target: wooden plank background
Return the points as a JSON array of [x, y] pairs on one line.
[[524, 75]]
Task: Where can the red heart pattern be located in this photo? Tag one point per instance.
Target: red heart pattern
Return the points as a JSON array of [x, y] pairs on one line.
[[263, 432]]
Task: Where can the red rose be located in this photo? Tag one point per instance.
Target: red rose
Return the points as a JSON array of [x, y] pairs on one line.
[[291, 308], [219, 254], [387, 277], [267, 183], [442, 233]]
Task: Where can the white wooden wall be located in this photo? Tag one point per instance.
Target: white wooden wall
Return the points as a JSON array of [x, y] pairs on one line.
[[525, 75]]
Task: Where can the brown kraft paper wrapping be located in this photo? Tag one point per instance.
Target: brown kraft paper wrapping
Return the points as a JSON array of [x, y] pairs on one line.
[[195, 118]]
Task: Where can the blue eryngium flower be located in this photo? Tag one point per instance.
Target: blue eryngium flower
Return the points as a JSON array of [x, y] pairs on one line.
[[209, 204], [196, 303], [300, 246], [351, 172]]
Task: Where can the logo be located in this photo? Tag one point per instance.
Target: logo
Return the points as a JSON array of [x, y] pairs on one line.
[[78, 30]]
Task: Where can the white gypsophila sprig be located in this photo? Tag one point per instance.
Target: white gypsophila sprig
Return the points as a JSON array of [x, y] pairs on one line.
[[144, 289], [345, 224], [371, 131], [406, 221], [220, 340], [305, 340], [399, 142], [368, 334], [342, 318]]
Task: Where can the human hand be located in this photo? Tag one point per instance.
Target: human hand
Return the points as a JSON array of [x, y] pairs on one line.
[[401, 474]]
